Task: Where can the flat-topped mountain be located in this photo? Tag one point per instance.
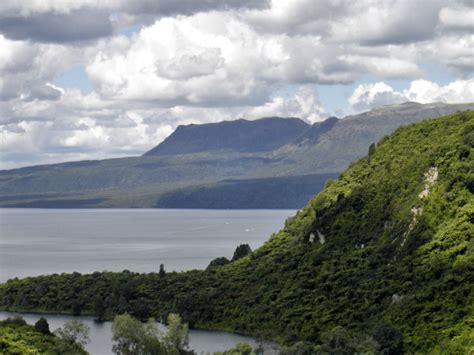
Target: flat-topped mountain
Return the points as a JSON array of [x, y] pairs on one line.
[[240, 135], [267, 163]]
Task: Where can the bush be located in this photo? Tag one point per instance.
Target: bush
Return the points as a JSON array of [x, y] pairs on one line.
[[42, 326], [241, 251], [218, 262]]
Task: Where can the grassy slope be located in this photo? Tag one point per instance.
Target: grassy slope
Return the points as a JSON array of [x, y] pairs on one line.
[[379, 263]]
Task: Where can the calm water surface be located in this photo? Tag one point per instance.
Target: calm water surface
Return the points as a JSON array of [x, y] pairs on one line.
[[201, 341], [45, 241]]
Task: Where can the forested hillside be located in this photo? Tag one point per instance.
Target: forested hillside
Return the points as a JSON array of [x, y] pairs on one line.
[[381, 260]]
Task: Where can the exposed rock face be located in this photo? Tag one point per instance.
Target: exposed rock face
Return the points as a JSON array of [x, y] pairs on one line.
[[430, 178]]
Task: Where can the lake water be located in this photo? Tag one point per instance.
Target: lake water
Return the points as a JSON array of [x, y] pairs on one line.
[[201, 341], [45, 241]]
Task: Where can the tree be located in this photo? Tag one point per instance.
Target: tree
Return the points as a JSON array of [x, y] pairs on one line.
[[162, 271], [177, 336], [337, 340], [241, 251], [218, 262], [72, 337], [132, 337], [76, 308], [371, 149], [389, 339], [16, 320], [42, 326], [128, 335], [99, 309], [139, 309]]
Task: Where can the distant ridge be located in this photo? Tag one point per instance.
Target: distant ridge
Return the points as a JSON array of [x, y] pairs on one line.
[[267, 163], [240, 135]]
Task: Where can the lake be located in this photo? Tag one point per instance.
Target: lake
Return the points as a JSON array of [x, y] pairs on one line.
[[46, 241], [201, 341]]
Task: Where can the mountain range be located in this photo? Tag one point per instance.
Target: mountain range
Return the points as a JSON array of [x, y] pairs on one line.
[[267, 163]]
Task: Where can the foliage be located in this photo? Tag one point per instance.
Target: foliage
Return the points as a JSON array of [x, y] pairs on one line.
[[177, 335], [240, 349], [371, 149], [42, 326], [72, 337], [132, 337], [241, 251], [380, 261], [17, 337], [221, 261], [162, 271]]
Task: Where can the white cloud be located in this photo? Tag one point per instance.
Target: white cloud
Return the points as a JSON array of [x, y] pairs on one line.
[[204, 61], [303, 104], [457, 18], [386, 67], [81, 21], [368, 96], [424, 91], [214, 59]]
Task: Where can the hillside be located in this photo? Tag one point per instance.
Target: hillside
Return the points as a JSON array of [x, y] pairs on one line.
[[229, 158], [240, 135], [380, 261]]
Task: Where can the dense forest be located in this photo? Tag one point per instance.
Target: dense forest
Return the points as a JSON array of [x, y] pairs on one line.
[[380, 261]]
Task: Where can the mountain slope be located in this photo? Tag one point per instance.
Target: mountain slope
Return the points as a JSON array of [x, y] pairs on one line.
[[284, 192], [240, 135], [348, 139], [324, 148], [380, 261]]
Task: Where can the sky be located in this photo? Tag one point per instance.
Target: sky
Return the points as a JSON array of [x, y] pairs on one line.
[[91, 79]]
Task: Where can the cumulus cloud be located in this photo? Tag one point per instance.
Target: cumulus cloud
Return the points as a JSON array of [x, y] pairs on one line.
[[457, 18], [424, 91], [207, 61], [216, 59], [75, 21], [383, 66], [373, 95], [77, 25], [47, 91], [367, 96], [401, 22], [303, 104]]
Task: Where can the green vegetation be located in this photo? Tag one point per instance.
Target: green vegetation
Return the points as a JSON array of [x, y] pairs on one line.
[[380, 261], [220, 261], [17, 337], [240, 349], [132, 337], [241, 251], [42, 326]]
